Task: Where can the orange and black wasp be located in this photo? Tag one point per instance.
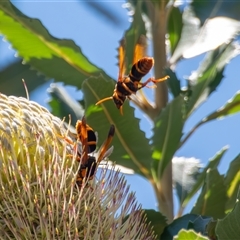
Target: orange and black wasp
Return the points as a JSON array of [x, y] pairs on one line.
[[89, 163], [130, 84]]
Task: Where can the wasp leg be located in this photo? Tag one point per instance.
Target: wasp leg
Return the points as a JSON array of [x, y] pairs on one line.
[[152, 80], [74, 147]]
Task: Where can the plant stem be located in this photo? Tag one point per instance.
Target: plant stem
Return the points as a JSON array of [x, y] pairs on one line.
[[158, 16]]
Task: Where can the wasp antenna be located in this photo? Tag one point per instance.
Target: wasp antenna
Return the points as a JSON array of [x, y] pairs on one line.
[[103, 100]]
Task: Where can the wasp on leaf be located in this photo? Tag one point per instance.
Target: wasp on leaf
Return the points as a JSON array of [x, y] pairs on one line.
[[130, 84]]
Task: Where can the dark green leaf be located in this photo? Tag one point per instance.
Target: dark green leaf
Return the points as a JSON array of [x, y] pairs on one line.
[[213, 8], [156, 220], [185, 174], [189, 34], [41, 50], [173, 82], [175, 26], [63, 104], [200, 224], [212, 200], [213, 163], [228, 228], [131, 148], [180, 223], [210, 73], [11, 79], [196, 39], [167, 133], [232, 181]]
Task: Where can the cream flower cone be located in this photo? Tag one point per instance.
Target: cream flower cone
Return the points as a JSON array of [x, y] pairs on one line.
[[38, 195]]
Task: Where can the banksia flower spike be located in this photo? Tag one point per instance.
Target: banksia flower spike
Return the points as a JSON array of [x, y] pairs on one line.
[[39, 198]]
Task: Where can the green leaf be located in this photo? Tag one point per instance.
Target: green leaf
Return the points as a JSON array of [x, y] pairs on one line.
[[185, 222], [213, 8], [197, 39], [189, 34], [213, 163], [210, 73], [167, 133], [185, 175], [228, 228], [156, 220], [232, 181], [11, 79], [63, 104], [173, 82], [175, 26], [200, 224], [212, 200], [189, 235], [131, 148], [211, 36], [41, 50], [231, 107]]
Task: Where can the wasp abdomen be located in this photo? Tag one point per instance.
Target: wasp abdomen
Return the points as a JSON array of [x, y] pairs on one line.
[[130, 86], [141, 68], [91, 136]]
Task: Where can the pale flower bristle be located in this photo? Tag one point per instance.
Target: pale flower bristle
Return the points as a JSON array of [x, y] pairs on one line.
[[39, 198]]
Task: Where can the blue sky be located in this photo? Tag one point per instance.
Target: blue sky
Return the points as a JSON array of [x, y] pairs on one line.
[[98, 40]]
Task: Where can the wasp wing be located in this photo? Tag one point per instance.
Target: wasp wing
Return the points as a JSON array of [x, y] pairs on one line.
[[122, 59], [140, 49], [103, 151]]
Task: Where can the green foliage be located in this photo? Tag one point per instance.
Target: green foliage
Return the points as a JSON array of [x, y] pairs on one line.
[[188, 221], [157, 221], [190, 33], [232, 182], [213, 197], [204, 9], [209, 75], [167, 134], [41, 50], [212, 164], [173, 82], [228, 228], [175, 26]]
